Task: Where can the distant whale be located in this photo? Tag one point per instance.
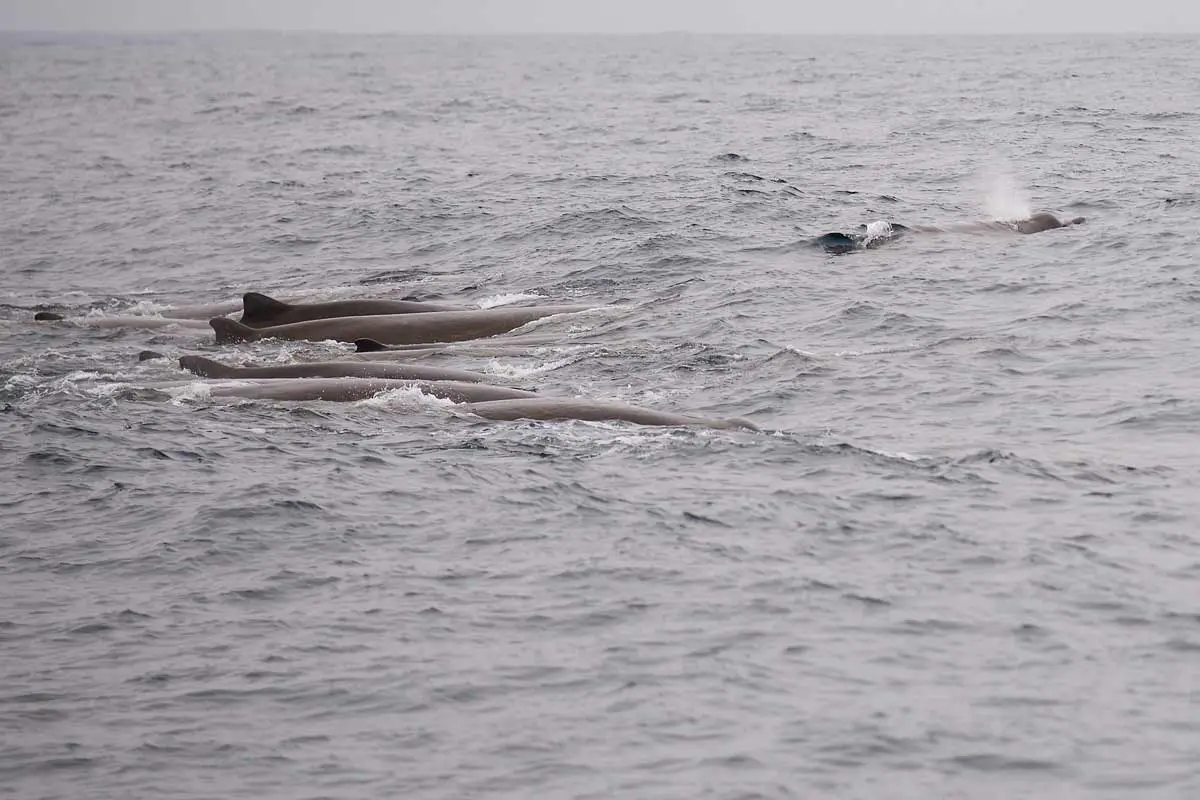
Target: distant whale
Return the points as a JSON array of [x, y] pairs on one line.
[[489, 402], [345, 390], [553, 408], [838, 242], [1045, 222], [369, 348], [261, 311], [104, 321], [440, 326], [330, 369], [202, 312]]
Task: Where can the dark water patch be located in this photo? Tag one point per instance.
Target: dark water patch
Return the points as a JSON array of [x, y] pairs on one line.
[[994, 762], [254, 595], [335, 149], [52, 458]]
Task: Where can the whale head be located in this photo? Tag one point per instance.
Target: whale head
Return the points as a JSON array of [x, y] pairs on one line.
[[1045, 222]]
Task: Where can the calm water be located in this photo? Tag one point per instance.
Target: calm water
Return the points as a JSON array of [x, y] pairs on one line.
[[961, 560]]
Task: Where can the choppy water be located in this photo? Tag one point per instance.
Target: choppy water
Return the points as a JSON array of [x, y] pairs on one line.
[[961, 560]]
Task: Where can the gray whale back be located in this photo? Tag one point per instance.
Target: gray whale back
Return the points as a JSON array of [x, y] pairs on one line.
[[440, 326], [208, 368], [261, 311]]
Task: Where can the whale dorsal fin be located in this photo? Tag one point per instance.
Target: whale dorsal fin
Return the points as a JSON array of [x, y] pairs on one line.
[[230, 330], [46, 316], [368, 346], [258, 308]]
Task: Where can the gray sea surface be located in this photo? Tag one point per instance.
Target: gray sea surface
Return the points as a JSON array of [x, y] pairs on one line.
[[960, 560]]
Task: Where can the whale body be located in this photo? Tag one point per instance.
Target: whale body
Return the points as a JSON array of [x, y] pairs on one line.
[[261, 311], [208, 368], [439, 326]]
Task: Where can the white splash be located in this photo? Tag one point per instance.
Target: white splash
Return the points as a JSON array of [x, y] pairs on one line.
[[497, 300], [147, 308], [407, 398], [515, 372], [196, 390], [19, 383], [879, 229]]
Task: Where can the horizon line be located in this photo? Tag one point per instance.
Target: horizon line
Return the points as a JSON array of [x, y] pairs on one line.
[[664, 32]]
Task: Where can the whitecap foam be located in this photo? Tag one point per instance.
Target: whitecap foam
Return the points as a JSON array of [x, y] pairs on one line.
[[79, 375], [19, 382], [104, 389], [496, 300], [407, 398], [148, 308], [510, 371], [580, 321]]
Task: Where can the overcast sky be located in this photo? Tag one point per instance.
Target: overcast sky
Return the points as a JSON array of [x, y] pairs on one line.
[[611, 16]]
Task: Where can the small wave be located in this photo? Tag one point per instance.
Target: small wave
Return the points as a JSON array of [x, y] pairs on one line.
[[19, 383], [190, 392], [141, 308], [497, 300], [581, 322], [591, 222], [407, 398], [515, 372]]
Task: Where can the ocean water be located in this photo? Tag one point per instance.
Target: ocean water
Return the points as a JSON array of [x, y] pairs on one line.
[[960, 559]]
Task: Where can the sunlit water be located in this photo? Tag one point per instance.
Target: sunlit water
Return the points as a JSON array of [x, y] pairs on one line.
[[960, 560]]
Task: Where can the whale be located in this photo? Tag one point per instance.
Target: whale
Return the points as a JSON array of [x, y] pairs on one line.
[[208, 368], [345, 390], [438, 326], [115, 322], [480, 349], [1045, 222], [554, 408], [261, 311], [839, 242], [362, 346], [496, 403], [202, 312]]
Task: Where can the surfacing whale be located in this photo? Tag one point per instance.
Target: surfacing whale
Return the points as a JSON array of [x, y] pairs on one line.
[[877, 234], [208, 368], [439, 326], [344, 390], [132, 322], [490, 402], [203, 311], [261, 311], [1045, 222], [521, 340], [554, 408]]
